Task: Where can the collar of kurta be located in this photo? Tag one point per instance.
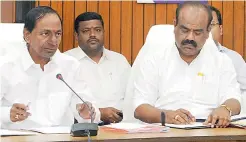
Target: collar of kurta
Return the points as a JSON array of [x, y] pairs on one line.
[[27, 60], [80, 54], [221, 48]]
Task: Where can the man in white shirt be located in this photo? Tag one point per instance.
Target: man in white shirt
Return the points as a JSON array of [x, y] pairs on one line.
[[237, 60], [31, 96], [106, 72], [189, 80]]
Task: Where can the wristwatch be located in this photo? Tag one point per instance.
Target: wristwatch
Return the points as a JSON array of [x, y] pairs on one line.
[[226, 107]]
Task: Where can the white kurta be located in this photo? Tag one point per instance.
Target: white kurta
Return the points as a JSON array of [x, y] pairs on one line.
[[50, 101], [167, 82], [107, 79]]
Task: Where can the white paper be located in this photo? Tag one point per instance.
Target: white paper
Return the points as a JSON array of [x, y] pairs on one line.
[[5, 132], [188, 126], [51, 130], [138, 128], [126, 126], [233, 118], [238, 117]]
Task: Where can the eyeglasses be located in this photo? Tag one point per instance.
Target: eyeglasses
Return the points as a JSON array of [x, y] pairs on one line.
[[214, 24]]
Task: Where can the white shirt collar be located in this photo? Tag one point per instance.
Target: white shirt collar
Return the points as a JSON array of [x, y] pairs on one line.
[[220, 47], [80, 54], [200, 56], [27, 61]]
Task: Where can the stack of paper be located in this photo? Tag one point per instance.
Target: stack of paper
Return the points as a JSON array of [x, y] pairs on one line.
[[5, 132], [238, 117], [134, 128], [51, 130], [195, 125], [239, 121]]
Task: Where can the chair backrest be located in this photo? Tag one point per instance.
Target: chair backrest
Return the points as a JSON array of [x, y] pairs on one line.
[[11, 32], [11, 37], [158, 35]]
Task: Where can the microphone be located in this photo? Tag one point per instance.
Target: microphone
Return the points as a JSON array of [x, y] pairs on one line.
[[81, 129], [59, 76]]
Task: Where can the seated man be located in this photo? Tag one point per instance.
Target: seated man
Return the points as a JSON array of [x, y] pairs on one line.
[[31, 96], [236, 58], [106, 72], [189, 80]]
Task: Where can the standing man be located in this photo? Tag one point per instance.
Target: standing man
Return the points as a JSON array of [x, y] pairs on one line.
[[237, 60], [190, 79], [105, 71], [31, 96]]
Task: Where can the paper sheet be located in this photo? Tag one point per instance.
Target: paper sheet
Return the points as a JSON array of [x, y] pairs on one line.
[[5, 132], [195, 125], [238, 117], [126, 126], [135, 128], [51, 130]]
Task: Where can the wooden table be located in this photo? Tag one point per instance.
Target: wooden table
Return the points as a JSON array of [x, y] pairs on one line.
[[215, 135]]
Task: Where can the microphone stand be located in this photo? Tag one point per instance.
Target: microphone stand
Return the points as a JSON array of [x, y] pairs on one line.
[[81, 129]]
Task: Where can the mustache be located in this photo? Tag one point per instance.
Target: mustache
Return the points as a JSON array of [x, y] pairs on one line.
[[90, 39], [192, 42]]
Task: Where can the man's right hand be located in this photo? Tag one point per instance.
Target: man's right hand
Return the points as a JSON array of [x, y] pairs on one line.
[[180, 116], [18, 112], [109, 114]]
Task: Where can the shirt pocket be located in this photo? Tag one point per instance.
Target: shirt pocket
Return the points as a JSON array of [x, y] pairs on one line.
[[112, 85], [206, 90]]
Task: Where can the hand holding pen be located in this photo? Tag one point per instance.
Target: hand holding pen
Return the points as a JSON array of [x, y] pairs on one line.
[[18, 112]]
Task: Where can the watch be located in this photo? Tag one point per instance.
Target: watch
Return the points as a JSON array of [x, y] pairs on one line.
[[226, 107]]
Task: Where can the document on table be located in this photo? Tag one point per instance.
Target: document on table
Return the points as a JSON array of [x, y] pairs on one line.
[[233, 118], [5, 132], [195, 125], [51, 130], [135, 128], [238, 117]]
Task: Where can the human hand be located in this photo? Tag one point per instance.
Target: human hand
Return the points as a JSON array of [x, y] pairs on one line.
[[219, 117], [85, 112], [110, 114], [18, 112], [180, 116]]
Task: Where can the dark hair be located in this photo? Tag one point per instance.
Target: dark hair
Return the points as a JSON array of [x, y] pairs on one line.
[[35, 14], [217, 13], [195, 4], [86, 16]]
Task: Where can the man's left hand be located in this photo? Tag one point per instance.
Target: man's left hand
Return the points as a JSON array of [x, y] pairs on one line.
[[85, 112], [219, 117]]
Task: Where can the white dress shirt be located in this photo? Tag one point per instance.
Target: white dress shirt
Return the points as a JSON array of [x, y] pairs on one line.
[[107, 78], [165, 81], [50, 101], [238, 63], [243, 104]]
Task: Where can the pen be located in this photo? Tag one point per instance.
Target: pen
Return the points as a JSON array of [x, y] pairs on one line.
[[28, 104], [162, 118]]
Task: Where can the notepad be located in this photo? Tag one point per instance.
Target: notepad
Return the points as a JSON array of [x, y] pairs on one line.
[[51, 130], [195, 125], [5, 132]]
